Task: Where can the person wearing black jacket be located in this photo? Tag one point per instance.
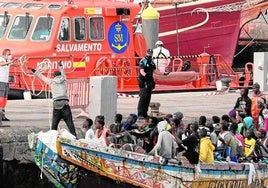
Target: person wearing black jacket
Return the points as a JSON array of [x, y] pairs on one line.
[[146, 82]]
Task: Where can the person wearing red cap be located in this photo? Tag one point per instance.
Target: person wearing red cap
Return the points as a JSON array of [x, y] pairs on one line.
[[146, 82]]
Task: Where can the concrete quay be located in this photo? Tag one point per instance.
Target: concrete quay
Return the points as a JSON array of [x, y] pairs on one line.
[[35, 115]]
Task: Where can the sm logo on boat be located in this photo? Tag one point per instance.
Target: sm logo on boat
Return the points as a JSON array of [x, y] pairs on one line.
[[118, 37]]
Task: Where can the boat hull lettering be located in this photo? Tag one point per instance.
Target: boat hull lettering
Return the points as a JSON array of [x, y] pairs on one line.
[[83, 47]]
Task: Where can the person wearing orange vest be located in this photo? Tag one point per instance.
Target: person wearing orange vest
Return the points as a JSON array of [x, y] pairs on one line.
[[255, 110]]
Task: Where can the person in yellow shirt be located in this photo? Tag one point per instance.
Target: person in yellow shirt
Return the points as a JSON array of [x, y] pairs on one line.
[[206, 148], [249, 143]]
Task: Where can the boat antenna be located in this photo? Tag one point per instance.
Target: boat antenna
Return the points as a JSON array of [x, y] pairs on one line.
[[177, 32]]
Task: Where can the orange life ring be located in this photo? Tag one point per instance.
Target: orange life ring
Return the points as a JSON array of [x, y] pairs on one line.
[[123, 68], [103, 66]]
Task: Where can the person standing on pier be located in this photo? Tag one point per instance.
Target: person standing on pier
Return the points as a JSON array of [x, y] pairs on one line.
[[146, 82], [5, 62], [255, 110], [162, 56], [243, 103], [61, 108]]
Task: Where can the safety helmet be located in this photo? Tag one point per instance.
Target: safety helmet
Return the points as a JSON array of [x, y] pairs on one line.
[[159, 43]]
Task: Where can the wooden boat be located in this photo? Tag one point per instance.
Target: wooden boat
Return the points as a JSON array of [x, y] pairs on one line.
[[60, 172], [140, 169]]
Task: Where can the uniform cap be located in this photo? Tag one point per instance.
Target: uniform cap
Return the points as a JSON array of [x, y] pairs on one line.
[[149, 52]]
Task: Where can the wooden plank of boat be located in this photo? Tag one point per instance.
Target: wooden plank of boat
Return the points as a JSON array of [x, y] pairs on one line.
[[59, 171], [152, 171]]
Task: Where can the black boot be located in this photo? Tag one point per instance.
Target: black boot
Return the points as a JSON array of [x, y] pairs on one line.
[[4, 118]]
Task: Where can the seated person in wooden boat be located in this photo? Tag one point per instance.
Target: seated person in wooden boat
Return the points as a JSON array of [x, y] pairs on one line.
[[179, 127], [142, 134], [102, 133], [87, 128], [124, 136], [130, 123], [250, 143], [219, 146], [190, 144], [261, 148], [117, 125], [206, 148], [166, 145], [230, 144], [97, 118]]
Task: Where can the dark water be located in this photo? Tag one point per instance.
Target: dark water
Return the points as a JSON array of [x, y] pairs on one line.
[[27, 175], [96, 181], [22, 175]]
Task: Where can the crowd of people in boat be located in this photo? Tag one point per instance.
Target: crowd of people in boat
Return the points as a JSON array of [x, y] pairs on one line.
[[237, 136]]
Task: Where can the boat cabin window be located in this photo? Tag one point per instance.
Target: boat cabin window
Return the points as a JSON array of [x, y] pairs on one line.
[[12, 5], [34, 6], [4, 20], [20, 27], [79, 29], [64, 34], [54, 7], [96, 29], [42, 29]]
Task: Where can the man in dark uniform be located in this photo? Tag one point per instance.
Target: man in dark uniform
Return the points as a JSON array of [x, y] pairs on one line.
[[146, 82]]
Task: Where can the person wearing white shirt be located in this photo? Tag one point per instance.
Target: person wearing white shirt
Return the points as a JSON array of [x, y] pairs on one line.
[[161, 55], [87, 127], [5, 62]]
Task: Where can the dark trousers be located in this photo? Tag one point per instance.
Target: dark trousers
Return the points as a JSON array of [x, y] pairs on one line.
[[66, 114], [144, 102]]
